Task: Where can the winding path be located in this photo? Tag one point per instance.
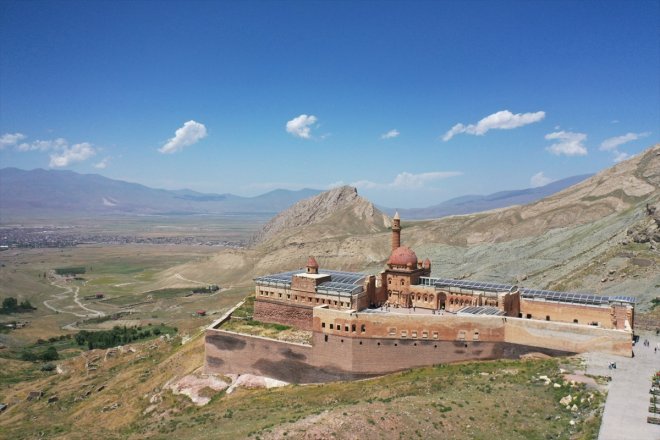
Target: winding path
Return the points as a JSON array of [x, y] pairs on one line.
[[74, 290]]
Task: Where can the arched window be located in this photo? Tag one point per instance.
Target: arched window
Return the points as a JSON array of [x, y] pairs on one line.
[[426, 298], [402, 282]]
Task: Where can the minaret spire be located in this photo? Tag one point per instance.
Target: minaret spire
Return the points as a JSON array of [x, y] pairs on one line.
[[396, 231]]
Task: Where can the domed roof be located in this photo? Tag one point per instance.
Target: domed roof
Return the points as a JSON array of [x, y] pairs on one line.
[[403, 256], [311, 262]]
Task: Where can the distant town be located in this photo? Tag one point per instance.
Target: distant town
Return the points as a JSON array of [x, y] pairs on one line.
[[62, 237]]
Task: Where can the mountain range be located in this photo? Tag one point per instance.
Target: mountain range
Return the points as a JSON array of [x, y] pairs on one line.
[[476, 203], [66, 194], [59, 193]]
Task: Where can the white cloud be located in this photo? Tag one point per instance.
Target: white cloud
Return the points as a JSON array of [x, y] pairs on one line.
[[50, 144], [301, 126], [614, 121], [502, 120], [539, 179], [613, 142], [569, 143], [103, 164], [406, 180], [620, 156], [191, 133], [68, 155], [390, 134], [10, 139]]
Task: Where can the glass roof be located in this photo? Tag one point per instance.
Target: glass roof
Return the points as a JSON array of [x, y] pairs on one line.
[[481, 310]]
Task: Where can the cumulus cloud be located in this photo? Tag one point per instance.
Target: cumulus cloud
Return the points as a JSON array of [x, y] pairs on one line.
[[47, 145], [614, 142], [502, 120], [103, 164], [301, 126], [68, 155], [390, 134], [406, 180], [568, 143], [191, 133], [10, 139], [539, 179]]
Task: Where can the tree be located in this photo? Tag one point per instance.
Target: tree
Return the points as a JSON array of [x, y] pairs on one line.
[[9, 303], [50, 354], [25, 305]]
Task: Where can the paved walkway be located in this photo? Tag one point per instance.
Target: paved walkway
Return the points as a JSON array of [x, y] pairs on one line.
[[627, 403]]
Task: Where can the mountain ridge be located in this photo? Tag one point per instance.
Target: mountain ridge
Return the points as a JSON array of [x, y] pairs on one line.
[[67, 193]]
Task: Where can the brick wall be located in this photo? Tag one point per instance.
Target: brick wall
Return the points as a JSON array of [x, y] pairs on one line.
[[564, 312], [287, 314]]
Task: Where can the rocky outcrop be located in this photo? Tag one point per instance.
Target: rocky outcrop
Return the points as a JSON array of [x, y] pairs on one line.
[[323, 207], [647, 230]]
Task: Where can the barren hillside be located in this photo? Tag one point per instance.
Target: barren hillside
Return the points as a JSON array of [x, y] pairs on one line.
[[551, 243]]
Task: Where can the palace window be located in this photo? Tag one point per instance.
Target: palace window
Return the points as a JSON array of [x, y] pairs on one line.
[[404, 333], [332, 326], [345, 328], [363, 328], [403, 282], [425, 334], [392, 331], [435, 335], [323, 325], [547, 317], [475, 337], [575, 321], [413, 333], [461, 335], [353, 327]]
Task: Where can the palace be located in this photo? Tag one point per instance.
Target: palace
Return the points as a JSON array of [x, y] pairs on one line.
[[406, 283], [364, 325]]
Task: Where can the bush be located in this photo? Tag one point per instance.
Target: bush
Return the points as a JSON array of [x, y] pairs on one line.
[[50, 354], [28, 356], [48, 367]]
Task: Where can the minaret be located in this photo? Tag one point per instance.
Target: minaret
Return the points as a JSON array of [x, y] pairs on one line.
[[396, 231]]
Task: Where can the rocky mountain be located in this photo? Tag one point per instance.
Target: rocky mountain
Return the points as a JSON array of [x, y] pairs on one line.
[[56, 193], [477, 203], [337, 207], [588, 237]]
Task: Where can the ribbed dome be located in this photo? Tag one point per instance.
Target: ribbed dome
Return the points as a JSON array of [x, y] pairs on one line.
[[403, 256]]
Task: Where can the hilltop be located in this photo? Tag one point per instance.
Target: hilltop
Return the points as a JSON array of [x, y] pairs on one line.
[[570, 240]]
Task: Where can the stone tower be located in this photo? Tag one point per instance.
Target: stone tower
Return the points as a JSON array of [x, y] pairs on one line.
[[396, 231]]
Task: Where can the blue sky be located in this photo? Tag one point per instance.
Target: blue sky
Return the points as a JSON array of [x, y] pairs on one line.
[[245, 97]]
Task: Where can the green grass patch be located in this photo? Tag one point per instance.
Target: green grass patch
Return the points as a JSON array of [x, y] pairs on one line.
[[73, 270]]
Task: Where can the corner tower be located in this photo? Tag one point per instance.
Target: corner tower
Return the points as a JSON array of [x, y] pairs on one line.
[[396, 231]]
